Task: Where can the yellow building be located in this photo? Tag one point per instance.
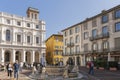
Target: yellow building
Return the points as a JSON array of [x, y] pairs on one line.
[[54, 49]]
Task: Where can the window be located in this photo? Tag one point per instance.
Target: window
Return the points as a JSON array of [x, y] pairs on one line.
[[65, 50], [18, 38], [117, 14], [77, 29], [117, 27], [8, 21], [18, 23], [85, 26], [77, 39], [7, 35], [71, 32], [56, 47], [86, 47], [28, 24], [71, 50], [105, 45], [0, 37], [37, 40], [104, 30], [94, 46], [85, 35], [65, 41], [65, 33], [71, 40], [104, 19], [56, 38], [28, 39], [32, 15], [94, 33], [35, 16], [117, 43], [37, 26], [77, 49], [94, 23]]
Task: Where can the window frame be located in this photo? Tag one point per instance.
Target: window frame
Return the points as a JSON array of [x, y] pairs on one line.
[[18, 39], [8, 37], [106, 19], [115, 14], [115, 27]]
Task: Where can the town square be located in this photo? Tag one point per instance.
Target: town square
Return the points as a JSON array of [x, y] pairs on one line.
[[59, 40]]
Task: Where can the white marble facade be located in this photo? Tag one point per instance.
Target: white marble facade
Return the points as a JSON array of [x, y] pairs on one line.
[[22, 38]]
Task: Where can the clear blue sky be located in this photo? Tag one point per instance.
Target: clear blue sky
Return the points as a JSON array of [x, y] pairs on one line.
[[58, 14]]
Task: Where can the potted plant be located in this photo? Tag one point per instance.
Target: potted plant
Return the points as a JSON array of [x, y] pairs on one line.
[[113, 65]]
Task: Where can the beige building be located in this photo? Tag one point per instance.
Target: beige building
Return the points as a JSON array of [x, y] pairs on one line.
[[93, 38], [22, 38]]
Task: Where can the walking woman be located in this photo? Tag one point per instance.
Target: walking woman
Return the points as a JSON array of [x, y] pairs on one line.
[[9, 69]]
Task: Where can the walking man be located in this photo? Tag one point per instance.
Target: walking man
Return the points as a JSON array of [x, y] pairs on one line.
[[16, 69], [91, 67]]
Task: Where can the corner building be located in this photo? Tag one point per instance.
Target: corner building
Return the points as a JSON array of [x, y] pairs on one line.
[[54, 49], [22, 38], [94, 38]]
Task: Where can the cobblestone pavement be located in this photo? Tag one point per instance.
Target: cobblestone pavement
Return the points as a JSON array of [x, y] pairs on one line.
[[24, 75], [100, 74]]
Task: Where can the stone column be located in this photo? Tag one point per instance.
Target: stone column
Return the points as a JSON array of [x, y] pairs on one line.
[[13, 56], [32, 57], [23, 56], [83, 63], [2, 57], [75, 60], [39, 57], [109, 57]]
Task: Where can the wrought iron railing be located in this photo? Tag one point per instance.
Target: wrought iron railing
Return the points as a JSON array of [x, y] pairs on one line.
[[101, 36]]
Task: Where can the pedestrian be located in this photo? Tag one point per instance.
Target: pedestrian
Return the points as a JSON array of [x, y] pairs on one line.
[[16, 69], [34, 68], [9, 69], [21, 66], [91, 67]]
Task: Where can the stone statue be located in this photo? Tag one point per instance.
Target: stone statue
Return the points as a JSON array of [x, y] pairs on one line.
[[65, 74]]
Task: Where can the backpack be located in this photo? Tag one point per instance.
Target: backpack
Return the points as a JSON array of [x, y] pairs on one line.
[[92, 65]]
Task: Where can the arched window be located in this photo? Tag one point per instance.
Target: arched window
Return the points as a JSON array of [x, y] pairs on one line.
[[7, 35], [77, 39]]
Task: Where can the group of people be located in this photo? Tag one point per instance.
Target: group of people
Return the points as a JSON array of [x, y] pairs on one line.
[[15, 67]]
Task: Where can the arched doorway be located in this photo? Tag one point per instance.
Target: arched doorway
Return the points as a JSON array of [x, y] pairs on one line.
[[37, 57], [18, 55], [28, 57], [7, 56], [70, 61]]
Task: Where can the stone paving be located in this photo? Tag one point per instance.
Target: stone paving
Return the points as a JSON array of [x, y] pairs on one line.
[[22, 75], [100, 74]]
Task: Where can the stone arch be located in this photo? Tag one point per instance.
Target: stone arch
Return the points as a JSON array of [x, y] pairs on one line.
[[28, 57], [37, 58], [7, 56], [18, 56]]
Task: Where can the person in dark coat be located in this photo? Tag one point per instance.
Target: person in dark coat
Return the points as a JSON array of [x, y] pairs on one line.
[[16, 69]]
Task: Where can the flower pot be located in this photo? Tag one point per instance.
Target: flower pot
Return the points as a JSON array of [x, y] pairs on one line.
[[101, 68], [113, 69]]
